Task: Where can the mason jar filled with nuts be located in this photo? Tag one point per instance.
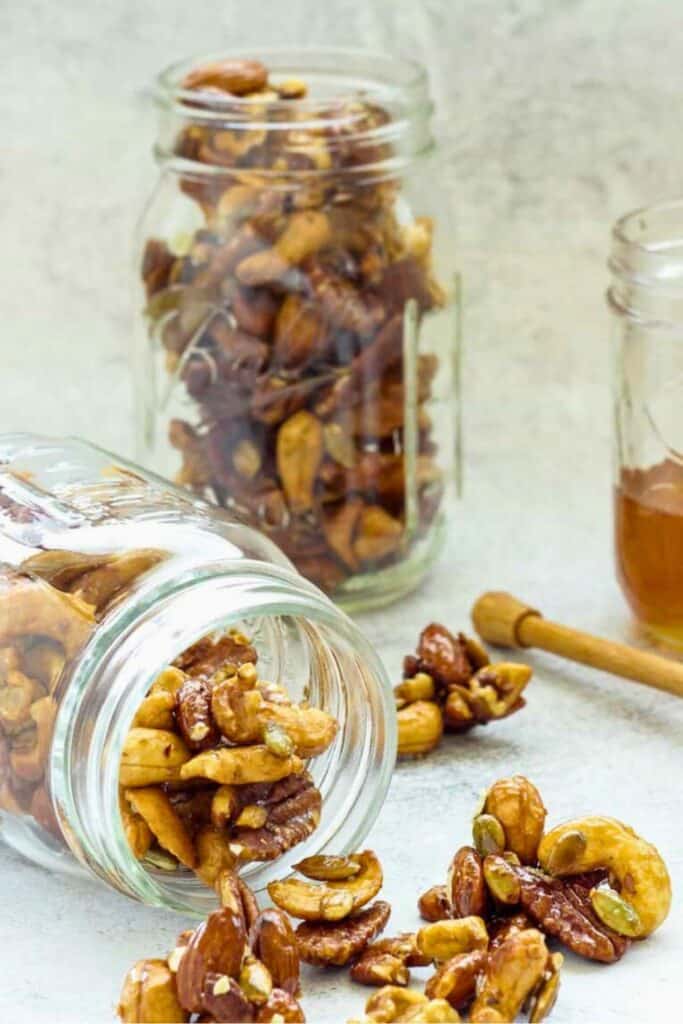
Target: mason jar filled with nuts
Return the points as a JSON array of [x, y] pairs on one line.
[[297, 358], [175, 700]]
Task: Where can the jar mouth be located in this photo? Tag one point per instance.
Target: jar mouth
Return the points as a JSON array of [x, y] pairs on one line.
[[353, 775], [646, 263], [338, 81]]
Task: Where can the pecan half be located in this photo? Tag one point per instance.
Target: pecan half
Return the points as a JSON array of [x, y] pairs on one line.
[[288, 823], [435, 904], [337, 942], [563, 909], [193, 715]]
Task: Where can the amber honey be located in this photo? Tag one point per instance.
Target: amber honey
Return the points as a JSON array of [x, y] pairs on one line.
[[649, 547]]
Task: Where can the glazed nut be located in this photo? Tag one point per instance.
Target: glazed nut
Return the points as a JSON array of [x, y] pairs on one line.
[[378, 535], [466, 885], [502, 881], [252, 816], [419, 687], [155, 808], [306, 232], [299, 450], [273, 941], [375, 967], [640, 874], [193, 714], [392, 1003], [488, 835], [156, 711], [311, 730], [330, 901], [214, 854], [236, 895], [420, 728], [235, 76], [255, 981], [456, 979], [445, 939], [168, 681], [236, 708], [513, 972], [280, 1008], [216, 947], [277, 739], [16, 696], [29, 763], [544, 997], [435, 904], [223, 1000], [327, 868], [224, 805], [149, 995], [517, 805], [240, 765], [137, 832], [336, 943], [151, 756], [615, 911]]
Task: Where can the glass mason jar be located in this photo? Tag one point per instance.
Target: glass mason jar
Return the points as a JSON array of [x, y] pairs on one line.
[[646, 297], [108, 574], [298, 353]]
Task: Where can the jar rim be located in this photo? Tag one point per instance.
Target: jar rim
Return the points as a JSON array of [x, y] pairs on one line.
[[90, 812], [627, 228], [340, 79]]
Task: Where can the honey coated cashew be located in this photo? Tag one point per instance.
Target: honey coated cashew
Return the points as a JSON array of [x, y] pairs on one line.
[[330, 901], [586, 844]]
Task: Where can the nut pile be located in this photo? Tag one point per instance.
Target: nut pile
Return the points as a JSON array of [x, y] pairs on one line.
[[592, 883], [213, 770], [450, 684], [336, 923], [281, 319], [238, 965]]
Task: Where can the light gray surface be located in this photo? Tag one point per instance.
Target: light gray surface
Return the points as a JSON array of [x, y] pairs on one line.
[[563, 115]]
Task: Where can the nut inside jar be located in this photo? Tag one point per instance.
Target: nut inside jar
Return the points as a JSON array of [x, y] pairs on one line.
[[295, 392]]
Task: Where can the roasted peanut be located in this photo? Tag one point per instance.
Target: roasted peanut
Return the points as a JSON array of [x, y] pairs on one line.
[[635, 864]]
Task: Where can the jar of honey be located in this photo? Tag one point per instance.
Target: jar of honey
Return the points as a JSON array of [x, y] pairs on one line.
[[646, 297]]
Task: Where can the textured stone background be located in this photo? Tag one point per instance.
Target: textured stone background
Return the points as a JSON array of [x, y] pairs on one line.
[[556, 117]]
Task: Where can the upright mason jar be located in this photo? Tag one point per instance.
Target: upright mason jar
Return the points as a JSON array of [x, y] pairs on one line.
[[107, 575], [646, 297], [297, 354]]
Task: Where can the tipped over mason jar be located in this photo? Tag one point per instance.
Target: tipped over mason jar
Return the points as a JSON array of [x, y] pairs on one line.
[[175, 699], [297, 353]]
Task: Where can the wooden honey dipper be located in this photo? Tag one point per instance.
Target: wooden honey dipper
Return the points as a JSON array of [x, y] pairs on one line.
[[503, 620]]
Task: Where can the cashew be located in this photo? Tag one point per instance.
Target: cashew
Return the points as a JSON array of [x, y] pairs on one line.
[[311, 729], [152, 804], [137, 831], [239, 765], [156, 711], [636, 865], [150, 756], [420, 728], [34, 608], [306, 233], [330, 901]]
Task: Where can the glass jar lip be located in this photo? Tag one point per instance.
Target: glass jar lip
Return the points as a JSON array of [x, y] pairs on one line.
[[398, 85], [412, 85], [627, 229], [103, 846]]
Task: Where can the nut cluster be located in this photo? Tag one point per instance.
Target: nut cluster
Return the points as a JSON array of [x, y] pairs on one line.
[[282, 319], [449, 683], [238, 965], [213, 770], [48, 610], [592, 883]]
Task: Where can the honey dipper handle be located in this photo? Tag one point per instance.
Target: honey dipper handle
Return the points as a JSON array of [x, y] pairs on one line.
[[502, 619]]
